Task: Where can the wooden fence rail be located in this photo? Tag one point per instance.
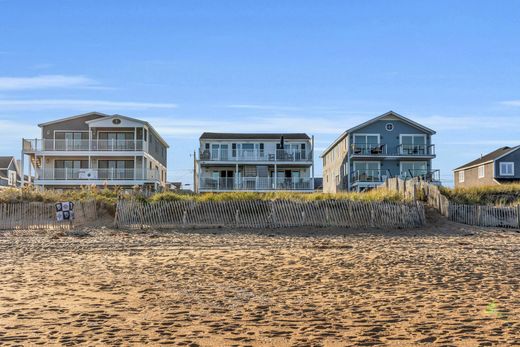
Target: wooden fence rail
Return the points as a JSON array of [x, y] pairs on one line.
[[267, 214], [41, 215], [479, 215]]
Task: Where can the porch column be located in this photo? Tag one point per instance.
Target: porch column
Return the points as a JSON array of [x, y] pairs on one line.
[[30, 172], [43, 167], [143, 165], [22, 181], [312, 155], [275, 176], [236, 176], [135, 167], [135, 140]]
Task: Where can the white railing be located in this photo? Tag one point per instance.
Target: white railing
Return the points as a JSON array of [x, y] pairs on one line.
[[37, 145], [98, 174], [255, 183], [285, 155]]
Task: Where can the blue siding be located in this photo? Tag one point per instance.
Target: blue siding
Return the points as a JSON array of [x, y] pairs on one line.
[[511, 157], [390, 138]]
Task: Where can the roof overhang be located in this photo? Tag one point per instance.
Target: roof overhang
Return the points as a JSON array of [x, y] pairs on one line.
[[101, 115]]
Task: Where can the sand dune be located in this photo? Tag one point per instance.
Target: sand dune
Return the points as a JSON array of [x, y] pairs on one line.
[[448, 285]]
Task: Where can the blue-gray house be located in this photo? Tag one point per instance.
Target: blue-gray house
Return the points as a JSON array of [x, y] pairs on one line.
[[386, 146]]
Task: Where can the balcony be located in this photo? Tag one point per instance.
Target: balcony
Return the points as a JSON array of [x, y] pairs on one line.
[[381, 149], [379, 176], [39, 145], [425, 175], [370, 176], [255, 184], [279, 155], [113, 174]]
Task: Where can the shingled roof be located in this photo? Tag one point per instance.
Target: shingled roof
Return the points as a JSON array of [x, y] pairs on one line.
[[489, 157], [253, 136]]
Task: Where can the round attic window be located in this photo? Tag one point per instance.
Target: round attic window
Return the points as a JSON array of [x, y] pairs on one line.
[[389, 127], [116, 121]]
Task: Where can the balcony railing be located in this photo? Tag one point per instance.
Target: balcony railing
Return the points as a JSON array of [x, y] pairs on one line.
[[37, 145], [379, 176], [369, 149], [416, 150], [377, 149], [255, 183], [426, 175], [285, 155], [98, 174], [370, 176]]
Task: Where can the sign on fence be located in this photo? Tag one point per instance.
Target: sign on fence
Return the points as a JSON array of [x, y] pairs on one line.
[[64, 211]]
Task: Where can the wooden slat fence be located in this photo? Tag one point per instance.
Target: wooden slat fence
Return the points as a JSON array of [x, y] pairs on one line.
[[41, 215], [479, 215], [267, 214]]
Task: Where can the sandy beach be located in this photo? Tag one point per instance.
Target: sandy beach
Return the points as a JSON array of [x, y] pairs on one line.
[[444, 285]]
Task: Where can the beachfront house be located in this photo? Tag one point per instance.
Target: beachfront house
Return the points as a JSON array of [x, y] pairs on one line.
[[97, 149], [389, 145], [501, 166], [254, 162], [10, 174]]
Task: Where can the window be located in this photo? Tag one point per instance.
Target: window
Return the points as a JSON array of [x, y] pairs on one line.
[[389, 127], [461, 176], [366, 144], [367, 171], [414, 168], [413, 144], [507, 169], [481, 171], [11, 178]]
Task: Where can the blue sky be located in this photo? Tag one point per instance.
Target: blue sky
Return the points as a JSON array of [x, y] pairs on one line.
[[299, 66]]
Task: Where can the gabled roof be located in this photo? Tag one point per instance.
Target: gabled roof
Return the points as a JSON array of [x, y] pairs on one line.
[[254, 136], [373, 120], [74, 117], [132, 120], [5, 162], [490, 157]]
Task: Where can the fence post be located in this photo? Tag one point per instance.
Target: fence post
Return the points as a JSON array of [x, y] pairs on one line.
[[185, 217], [237, 221], [479, 214], [116, 217], [518, 215], [303, 217]]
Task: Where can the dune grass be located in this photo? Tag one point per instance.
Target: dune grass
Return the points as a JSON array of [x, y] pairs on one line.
[[503, 195], [373, 195], [109, 196], [106, 196]]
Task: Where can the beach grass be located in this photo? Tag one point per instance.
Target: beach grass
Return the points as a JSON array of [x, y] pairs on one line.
[[110, 196], [500, 195]]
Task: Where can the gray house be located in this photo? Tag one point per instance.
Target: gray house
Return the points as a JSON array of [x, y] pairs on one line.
[[501, 166], [389, 145], [9, 172], [97, 149]]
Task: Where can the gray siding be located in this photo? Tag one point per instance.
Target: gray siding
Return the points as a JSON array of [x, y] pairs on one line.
[[77, 124], [157, 149], [511, 157]]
